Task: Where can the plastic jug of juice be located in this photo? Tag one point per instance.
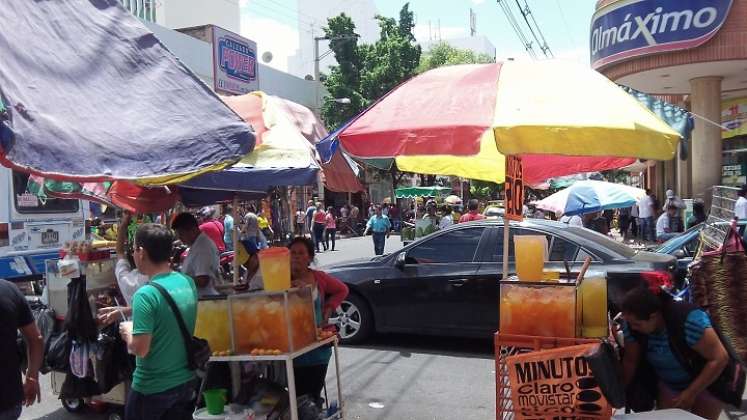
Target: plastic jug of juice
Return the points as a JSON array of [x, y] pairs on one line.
[[275, 265], [592, 296], [530, 252]]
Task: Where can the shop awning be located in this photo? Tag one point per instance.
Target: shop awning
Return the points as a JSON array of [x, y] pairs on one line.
[[92, 95]]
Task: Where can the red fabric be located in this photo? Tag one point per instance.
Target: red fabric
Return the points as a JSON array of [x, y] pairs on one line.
[[137, 199], [538, 168], [214, 230], [471, 217], [332, 290], [339, 177], [441, 112]]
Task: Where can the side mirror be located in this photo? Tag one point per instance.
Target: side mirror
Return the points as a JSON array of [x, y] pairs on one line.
[[679, 254], [400, 261]]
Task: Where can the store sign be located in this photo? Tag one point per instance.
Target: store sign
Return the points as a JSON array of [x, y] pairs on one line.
[[234, 63], [556, 384], [631, 28], [733, 118], [514, 189]]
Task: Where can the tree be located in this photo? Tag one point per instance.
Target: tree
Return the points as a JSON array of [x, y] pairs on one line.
[[365, 72], [443, 54]]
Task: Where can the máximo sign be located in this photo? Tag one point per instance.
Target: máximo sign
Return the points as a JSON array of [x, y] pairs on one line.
[[631, 28], [234, 63]]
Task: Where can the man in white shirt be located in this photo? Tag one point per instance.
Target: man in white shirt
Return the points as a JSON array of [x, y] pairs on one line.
[[128, 279], [646, 216], [740, 207], [202, 262], [669, 224], [574, 220]]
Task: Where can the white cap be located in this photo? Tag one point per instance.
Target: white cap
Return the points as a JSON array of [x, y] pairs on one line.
[[670, 194]]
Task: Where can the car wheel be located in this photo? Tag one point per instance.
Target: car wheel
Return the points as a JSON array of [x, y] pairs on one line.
[[73, 405], [354, 319]]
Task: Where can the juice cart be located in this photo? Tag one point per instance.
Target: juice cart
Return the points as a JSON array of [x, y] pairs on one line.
[[265, 329], [98, 270]]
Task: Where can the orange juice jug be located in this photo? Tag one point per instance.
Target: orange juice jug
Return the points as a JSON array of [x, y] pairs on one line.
[[212, 323], [593, 301], [530, 251], [275, 265]]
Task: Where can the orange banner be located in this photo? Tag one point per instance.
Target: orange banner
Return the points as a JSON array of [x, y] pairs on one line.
[[556, 384]]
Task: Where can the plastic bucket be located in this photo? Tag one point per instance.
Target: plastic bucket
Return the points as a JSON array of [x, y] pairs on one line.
[[215, 399]]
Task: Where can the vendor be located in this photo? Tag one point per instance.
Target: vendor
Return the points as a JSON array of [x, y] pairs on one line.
[[328, 293], [129, 279], [655, 329], [202, 262]]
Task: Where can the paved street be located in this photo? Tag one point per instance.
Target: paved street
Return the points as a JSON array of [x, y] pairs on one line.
[[394, 376]]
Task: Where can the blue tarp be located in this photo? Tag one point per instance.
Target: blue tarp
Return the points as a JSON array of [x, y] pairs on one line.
[[91, 94], [253, 179]]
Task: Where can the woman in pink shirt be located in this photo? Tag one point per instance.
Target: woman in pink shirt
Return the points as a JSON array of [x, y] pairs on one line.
[[330, 228], [320, 222]]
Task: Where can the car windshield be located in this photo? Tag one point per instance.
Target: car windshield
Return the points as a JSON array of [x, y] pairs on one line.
[[602, 240]]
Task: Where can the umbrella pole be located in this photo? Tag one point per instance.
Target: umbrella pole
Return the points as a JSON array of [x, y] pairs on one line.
[[506, 236], [235, 236]]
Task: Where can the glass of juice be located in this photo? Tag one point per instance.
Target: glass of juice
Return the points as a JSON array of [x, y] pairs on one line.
[[592, 298], [275, 265], [530, 251]]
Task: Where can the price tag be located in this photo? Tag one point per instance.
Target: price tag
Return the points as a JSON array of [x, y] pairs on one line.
[[514, 189]]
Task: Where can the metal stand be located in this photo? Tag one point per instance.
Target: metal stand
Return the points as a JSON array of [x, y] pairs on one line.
[[286, 358]]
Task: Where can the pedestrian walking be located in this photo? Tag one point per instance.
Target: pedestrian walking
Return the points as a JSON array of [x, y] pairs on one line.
[[310, 210], [228, 227], [646, 216], [380, 226], [162, 384], [16, 315], [320, 221], [300, 222], [623, 221], [634, 221], [740, 208], [330, 228]]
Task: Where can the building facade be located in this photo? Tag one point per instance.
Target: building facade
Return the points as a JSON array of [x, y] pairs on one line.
[[692, 53]]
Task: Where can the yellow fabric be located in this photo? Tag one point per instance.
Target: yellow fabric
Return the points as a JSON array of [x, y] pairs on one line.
[[262, 222], [555, 107], [488, 165], [241, 255], [180, 178]]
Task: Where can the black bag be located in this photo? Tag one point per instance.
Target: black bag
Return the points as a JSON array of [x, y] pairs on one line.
[[198, 349], [112, 363], [605, 367], [57, 352], [79, 321]]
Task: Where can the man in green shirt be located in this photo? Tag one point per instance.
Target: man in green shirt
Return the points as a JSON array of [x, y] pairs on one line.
[[162, 384]]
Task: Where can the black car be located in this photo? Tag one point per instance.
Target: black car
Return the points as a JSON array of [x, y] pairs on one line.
[[447, 282]]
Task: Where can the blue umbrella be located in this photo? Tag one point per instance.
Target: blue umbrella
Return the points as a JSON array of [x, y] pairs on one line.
[[591, 196]]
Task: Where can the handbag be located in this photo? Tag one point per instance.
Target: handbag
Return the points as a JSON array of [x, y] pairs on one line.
[[719, 286], [605, 367], [198, 349]]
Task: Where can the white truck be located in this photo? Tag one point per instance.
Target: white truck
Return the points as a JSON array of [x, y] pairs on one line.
[[33, 230]]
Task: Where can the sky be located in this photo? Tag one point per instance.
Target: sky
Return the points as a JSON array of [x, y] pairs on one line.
[[273, 24]]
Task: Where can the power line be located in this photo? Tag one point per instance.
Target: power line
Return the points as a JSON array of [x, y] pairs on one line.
[[526, 13], [279, 12], [565, 24], [291, 9], [506, 8]]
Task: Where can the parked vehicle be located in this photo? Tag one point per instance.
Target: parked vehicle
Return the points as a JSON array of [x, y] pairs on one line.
[[684, 247], [447, 282], [33, 230]]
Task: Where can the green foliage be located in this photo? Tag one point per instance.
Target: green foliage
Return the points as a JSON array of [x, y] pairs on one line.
[[443, 54], [484, 190], [365, 72]]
